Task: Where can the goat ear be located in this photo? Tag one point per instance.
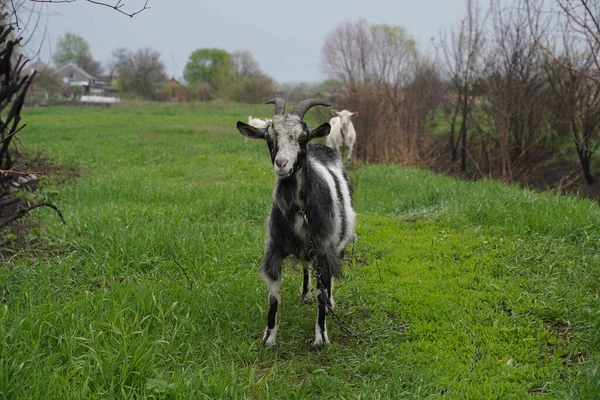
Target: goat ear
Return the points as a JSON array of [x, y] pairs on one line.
[[251, 132], [335, 113], [320, 131], [355, 114]]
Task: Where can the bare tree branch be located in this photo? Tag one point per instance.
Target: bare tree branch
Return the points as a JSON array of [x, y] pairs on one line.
[[15, 12], [118, 6], [184, 272], [24, 212], [576, 21]]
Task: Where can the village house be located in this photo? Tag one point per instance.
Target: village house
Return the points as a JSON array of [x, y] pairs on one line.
[[174, 91], [91, 89]]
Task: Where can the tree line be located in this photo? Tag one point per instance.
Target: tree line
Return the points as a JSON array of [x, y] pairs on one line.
[[510, 91], [209, 73]]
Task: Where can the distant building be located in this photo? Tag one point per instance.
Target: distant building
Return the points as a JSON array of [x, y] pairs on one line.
[[173, 91], [72, 75], [91, 89]]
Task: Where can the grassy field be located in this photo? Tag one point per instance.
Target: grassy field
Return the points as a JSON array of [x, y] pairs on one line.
[[453, 290]]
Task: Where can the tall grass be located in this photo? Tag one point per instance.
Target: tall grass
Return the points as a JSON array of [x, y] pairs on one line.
[[454, 289]]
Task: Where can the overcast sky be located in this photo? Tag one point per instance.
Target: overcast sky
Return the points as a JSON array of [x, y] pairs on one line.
[[284, 37]]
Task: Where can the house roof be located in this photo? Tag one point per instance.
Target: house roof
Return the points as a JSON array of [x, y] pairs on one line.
[[38, 66], [171, 82], [75, 67]]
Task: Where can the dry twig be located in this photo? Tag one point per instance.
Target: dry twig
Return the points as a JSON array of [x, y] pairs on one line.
[[118, 6], [25, 211]]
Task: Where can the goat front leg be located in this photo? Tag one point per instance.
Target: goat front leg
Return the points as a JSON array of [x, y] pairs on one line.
[[340, 149], [349, 155], [271, 274]]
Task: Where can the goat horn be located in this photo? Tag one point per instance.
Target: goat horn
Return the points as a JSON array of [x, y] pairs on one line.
[[303, 106], [279, 105]]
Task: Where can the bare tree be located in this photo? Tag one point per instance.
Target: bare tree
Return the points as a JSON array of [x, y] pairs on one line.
[[13, 88], [244, 64], [249, 84], [580, 17], [573, 70], [12, 94], [515, 92], [139, 72], [375, 64], [423, 96], [119, 58], [462, 53], [576, 101]]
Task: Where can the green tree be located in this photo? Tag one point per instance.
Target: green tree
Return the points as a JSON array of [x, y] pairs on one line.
[[209, 66], [73, 48]]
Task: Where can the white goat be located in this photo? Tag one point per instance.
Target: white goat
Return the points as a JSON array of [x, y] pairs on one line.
[[343, 134], [257, 122]]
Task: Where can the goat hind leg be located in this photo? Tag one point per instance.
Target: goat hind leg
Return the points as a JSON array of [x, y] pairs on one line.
[[323, 297], [330, 300], [306, 288]]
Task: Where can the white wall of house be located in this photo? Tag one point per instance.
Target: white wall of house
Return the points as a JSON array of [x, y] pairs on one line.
[[99, 99]]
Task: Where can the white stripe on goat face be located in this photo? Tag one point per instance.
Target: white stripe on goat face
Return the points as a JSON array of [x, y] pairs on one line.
[[287, 133]]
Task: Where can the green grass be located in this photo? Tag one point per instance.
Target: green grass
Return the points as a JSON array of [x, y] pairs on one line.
[[454, 289]]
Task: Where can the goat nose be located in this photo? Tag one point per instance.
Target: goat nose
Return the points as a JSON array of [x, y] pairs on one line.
[[281, 163]]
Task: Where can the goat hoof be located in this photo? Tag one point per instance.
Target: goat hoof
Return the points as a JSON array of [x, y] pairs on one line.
[[321, 338], [269, 337], [330, 306], [319, 342], [306, 298]]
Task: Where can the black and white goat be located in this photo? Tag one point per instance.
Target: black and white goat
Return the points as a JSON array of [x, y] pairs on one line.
[[311, 216]]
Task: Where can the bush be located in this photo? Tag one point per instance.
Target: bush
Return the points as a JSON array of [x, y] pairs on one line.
[[249, 89]]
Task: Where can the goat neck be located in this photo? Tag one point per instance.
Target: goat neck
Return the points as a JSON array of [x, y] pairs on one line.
[[288, 193]]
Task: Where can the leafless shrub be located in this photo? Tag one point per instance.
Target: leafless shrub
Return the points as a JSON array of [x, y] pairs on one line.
[[14, 84], [575, 104], [462, 52], [385, 81], [514, 95], [573, 70], [580, 18]]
